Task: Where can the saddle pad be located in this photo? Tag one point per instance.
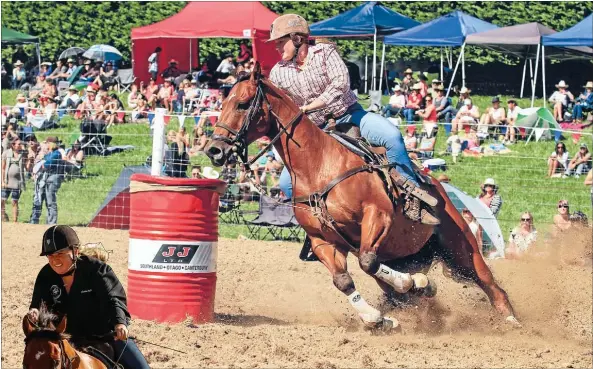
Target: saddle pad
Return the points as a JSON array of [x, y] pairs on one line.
[[356, 146]]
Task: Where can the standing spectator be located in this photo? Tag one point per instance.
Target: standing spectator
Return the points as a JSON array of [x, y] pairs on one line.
[[558, 160], [562, 221], [48, 183], [581, 161], [475, 227], [19, 75], [414, 101], [560, 99], [396, 103], [244, 54], [490, 197], [522, 237], [512, 115], [583, 103], [153, 62], [13, 177]]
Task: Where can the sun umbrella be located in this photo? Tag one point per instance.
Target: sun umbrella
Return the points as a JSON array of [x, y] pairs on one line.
[[103, 52], [492, 234], [71, 51]]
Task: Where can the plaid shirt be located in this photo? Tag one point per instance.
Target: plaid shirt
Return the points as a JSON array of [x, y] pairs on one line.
[[324, 75]]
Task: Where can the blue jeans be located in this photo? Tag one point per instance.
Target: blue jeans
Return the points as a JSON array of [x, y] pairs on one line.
[[46, 189], [129, 355], [390, 110], [577, 111], [379, 132], [409, 114]]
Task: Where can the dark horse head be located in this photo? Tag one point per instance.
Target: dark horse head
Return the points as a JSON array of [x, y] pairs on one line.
[[46, 344], [245, 117]]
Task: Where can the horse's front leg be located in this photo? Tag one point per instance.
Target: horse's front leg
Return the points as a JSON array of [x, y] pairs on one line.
[[374, 230], [334, 260]]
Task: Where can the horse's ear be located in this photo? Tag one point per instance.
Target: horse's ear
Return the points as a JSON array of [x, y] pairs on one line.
[[27, 325], [256, 74], [62, 326]]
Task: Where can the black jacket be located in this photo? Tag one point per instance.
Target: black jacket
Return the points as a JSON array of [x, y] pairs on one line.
[[96, 302]]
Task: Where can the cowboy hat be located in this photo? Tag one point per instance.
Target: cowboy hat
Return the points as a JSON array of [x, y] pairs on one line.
[[397, 88], [464, 90], [70, 60], [20, 97], [561, 84], [87, 62], [408, 71], [210, 173], [439, 88], [286, 24], [417, 86], [46, 63], [589, 85], [436, 81], [18, 62]]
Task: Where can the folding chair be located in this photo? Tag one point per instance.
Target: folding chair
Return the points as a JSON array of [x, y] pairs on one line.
[[272, 218], [228, 210], [63, 88], [125, 78], [375, 105]]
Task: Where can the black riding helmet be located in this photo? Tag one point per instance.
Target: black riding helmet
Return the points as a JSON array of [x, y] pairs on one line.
[[57, 238]]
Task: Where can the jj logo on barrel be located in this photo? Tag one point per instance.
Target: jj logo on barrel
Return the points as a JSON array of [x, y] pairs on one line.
[[180, 254]]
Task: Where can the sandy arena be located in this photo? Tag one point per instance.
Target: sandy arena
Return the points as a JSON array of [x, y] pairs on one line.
[[275, 311]]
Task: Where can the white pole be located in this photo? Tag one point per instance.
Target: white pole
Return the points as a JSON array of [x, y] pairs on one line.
[[382, 65], [535, 74], [450, 57], [462, 68], [442, 74], [158, 141], [38, 49], [523, 79], [455, 71], [190, 56], [531, 73], [366, 67], [544, 73], [375, 60]]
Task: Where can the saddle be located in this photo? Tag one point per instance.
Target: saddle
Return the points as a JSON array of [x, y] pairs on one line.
[[101, 351]]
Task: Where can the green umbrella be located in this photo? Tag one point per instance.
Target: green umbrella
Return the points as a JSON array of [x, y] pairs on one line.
[[537, 120]]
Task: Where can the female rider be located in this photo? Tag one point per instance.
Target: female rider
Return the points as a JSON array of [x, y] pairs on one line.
[[88, 293], [316, 79]]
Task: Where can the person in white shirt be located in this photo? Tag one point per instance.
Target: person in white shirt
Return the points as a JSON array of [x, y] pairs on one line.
[[511, 119], [558, 160], [396, 103], [468, 114], [153, 62], [70, 101], [226, 66], [560, 99]]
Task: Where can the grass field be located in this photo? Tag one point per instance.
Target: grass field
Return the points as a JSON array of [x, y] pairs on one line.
[[520, 174]]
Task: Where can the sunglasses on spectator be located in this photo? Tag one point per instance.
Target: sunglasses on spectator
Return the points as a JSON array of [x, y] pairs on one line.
[[195, 174], [525, 219], [562, 206]]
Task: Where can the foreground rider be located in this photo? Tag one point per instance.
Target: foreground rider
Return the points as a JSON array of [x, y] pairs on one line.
[[88, 293], [317, 80]]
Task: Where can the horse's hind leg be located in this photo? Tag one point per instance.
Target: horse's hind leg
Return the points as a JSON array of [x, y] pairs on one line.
[[334, 260]]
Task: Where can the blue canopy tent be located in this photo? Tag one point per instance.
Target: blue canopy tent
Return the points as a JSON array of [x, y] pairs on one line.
[[368, 20], [581, 34], [447, 31]]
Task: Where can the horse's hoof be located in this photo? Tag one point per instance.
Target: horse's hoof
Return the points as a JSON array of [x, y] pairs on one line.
[[513, 321], [423, 286], [390, 325]]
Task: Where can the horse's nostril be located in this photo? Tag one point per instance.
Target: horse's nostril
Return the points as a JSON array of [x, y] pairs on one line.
[[214, 151]]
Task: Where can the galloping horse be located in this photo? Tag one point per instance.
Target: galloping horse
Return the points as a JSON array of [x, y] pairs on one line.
[[48, 346], [344, 205]]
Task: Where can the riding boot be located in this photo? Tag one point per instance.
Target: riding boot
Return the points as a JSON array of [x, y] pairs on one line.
[[414, 211], [306, 254]]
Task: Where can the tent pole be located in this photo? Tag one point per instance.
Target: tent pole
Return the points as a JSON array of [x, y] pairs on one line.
[[442, 75], [535, 74], [38, 49], [544, 74], [366, 67], [531, 73], [190, 56], [523, 79], [382, 65], [375, 60], [455, 71], [462, 68]]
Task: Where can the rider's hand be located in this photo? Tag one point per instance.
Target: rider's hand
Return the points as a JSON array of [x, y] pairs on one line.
[[121, 332], [304, 108], [33, 315]]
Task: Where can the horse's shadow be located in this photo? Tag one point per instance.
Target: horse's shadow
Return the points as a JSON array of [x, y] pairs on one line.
[[242, 320]]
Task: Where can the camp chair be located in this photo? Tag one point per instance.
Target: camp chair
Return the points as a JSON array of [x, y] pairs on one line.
[[228, 210], [273, 218], [75, 75], [375, 105], [125, 78], [63, 88]]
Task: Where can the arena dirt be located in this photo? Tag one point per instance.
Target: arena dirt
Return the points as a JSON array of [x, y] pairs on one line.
[[275, 311]]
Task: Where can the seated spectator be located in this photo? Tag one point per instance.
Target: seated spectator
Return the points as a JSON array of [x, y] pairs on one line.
[[410, 140], [21, 103], [584, 103], [413, 104], [490, 197], [561, 98], [425, 149], [433, 88], [75, 155], [91, 73], [397, 102], [463, 95], [232, 78], [38, 88], [226, 67], [443, 105], [581, 161], [493, 117], [244, 54], [71, 66], [165, 95], [468, 114], [150, 93], [141, 110], [475, 227], [199, 141], [71, 100], [176, 159], [408, 81], [511, 120], [196, 172], [58, 72], [113, 109], [423, 85], [521, 238], [172, 71], [558, 160], [428, 114], [50, 89], [106, 76], [562, 221], [45, 69], [133, 97]]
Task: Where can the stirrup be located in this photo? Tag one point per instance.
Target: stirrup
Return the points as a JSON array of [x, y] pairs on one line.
[[414, 211]]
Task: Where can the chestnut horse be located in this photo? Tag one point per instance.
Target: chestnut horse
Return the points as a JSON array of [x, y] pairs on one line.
[[389, 246], [47, 346]]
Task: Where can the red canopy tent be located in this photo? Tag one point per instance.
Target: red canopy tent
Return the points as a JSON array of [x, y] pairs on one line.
[[178, 35]]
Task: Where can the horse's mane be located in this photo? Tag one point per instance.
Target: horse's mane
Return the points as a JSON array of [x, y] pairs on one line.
[[45, 328]]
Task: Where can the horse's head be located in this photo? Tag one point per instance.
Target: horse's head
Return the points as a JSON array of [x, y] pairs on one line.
[[46, 345], [245, 117]]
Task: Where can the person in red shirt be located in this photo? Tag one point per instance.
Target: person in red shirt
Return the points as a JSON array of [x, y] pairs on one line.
[[414, 101]]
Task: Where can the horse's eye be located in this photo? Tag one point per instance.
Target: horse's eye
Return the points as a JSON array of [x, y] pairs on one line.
[[243, 106]]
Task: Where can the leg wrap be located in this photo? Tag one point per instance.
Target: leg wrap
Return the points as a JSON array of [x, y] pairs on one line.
[[401, 282], [365, 311]]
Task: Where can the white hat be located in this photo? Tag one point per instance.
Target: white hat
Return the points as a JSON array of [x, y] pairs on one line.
[[467, 102], [397, 88], [490, 181], [464, 90], [589, 84], [561, 84], [18, 62], [210, 173], [417, 86]]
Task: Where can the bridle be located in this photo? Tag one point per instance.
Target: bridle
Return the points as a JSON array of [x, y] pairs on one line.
[[65, 361], [239, 140]]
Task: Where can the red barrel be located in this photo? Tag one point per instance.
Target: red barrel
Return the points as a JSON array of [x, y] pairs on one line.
[[173, 247]]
